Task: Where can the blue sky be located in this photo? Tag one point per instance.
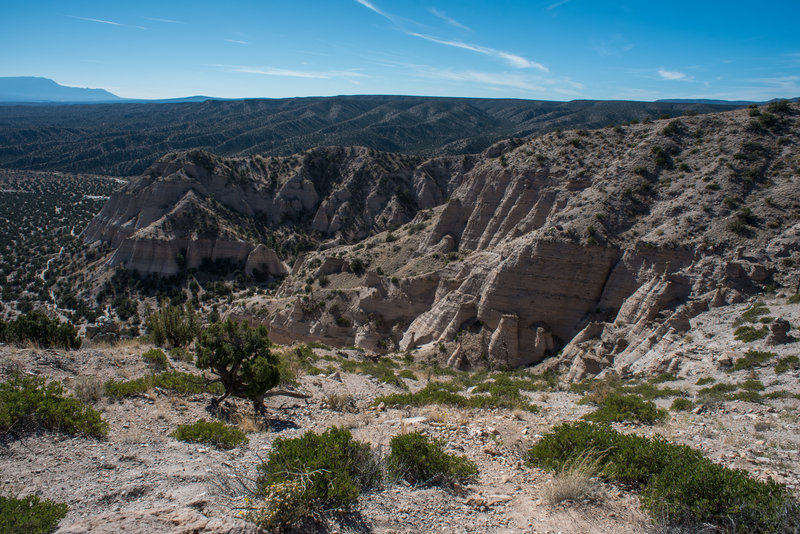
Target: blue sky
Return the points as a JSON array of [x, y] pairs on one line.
[[552, 49]]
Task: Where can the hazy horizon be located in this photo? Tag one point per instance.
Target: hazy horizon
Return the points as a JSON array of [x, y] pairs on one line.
[[551, 50]]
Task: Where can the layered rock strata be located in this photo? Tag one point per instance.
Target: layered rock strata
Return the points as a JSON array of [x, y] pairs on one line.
[[601, 245]]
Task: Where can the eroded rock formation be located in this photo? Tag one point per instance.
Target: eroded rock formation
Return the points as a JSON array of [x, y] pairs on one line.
[[602, 245]]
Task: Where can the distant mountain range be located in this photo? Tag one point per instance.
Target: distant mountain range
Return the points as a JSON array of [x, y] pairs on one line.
[[35, 90], [124, 139], [52, 127], [38, 90]]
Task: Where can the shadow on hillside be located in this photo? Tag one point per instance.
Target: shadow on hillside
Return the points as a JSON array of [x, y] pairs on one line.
[[350, 522], [232, 414], [275, 424]]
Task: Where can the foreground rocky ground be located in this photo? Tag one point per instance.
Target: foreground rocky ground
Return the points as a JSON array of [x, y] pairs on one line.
[[141, 480]]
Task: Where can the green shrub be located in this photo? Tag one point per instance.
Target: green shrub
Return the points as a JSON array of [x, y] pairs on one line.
[[173, 381], [752, 358], [779, 106], [32, 403], [649, 392], [407, 373], [673, 128], [445, 393], [787, 363], [419, 460], [240, 356], [382, 370], [693, 491], [748, 396], [127, 388], [794, 299], [176, 325], [620, 407], [705, 380], [717, 391], [181, 354], [38, 328], [679, 484], [357, 265], [752, 385], [329, 470], [748, 334], [751, 314], [30, 515], [214, 433], [681, 405], [156, 359], [663, 377], [185, 383]]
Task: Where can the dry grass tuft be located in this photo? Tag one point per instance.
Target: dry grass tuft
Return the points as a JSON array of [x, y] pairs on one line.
[[437, 414], [88, 389], [519, 414], [574, 481], [248, 424], [340, 402]]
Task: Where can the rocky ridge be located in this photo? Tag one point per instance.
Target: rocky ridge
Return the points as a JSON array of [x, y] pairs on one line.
[[602, 243]]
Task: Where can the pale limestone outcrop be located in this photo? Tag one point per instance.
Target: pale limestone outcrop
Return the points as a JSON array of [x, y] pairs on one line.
[[265, 260], [160, 256], [159, 521], [330, 265], [543, 345], [578, 246], [504, 343]]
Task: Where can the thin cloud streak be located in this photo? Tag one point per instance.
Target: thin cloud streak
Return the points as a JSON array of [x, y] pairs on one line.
[[371, 6], [514, 60], [450, 20], [101, 21], [236, 41], [109, 22], [557, 5], [538, 84], [167, 21], [486, 78], [290, 73]]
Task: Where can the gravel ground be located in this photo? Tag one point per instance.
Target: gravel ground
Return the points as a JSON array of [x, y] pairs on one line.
[[138, 467]]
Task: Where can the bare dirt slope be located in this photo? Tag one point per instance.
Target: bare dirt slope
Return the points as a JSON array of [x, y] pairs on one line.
[[139, 469]]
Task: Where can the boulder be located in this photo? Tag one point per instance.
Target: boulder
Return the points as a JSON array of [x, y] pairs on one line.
[[779, 332], [159, 521]]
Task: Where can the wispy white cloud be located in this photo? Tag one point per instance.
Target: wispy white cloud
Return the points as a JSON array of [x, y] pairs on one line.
[[672, 74], [109, 22], [291, 73], [236, 41], [167, 21], [543, 85], [371, 6], [614, 45], [450, 20], [101, 21], [514, 60], [557, 4], [486, 78], [789, 86]]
